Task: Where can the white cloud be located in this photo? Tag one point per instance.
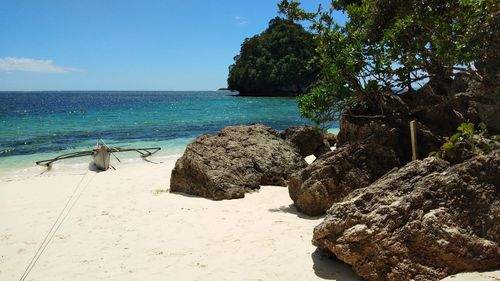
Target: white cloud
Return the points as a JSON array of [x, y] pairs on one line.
[[241, 20], [32, 65]]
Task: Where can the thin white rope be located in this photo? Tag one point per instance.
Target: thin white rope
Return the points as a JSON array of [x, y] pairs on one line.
[[56, 225]]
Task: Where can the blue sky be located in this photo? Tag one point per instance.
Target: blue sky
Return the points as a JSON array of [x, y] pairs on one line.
[[125, 45]]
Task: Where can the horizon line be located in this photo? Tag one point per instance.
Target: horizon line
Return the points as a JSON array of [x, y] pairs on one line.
[[218, 90]]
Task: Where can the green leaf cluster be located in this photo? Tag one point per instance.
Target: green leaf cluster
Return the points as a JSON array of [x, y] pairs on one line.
[[399, 44], [468, 141], [279, 58]]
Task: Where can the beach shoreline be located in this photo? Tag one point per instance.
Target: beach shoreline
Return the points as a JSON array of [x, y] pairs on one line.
[[79, 166]]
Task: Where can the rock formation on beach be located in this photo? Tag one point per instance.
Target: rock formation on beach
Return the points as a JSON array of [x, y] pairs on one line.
[[424, 221], [236, 160], [369, 145], [336, 174], [308, 140], [396, 219]]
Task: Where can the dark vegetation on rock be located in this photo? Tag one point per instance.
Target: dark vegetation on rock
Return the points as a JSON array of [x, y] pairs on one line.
[[236, 160], [275, 62], [467, 142], [424, 221]]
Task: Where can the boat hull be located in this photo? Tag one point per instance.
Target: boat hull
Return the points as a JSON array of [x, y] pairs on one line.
[[101, 158]]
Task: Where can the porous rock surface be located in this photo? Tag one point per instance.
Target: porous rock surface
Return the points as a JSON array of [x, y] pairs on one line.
[[371, 145], [369, 154], [307, 139], [235, 160], [424, 221], [334, 175]]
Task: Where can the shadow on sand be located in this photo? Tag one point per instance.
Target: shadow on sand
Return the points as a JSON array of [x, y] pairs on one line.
[[328, 267], [93, 168], [291, 209]]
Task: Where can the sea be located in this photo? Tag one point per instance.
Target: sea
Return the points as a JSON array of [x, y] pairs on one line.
[[41, 125]]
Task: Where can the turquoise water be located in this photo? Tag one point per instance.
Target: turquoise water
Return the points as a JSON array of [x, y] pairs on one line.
[[40, 125]]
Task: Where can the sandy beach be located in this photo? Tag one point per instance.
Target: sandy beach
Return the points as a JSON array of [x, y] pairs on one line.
[[125, 225]]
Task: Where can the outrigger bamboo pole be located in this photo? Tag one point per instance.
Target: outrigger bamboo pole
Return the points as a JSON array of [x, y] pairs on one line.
[[101, 155]]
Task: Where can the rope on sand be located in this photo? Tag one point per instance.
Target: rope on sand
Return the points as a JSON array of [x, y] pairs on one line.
[[57, 224]]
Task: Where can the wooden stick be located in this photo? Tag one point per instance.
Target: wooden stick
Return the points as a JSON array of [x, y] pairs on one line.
[[413, 133]]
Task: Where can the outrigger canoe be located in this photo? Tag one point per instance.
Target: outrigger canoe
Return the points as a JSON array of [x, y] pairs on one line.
[[101, 155]]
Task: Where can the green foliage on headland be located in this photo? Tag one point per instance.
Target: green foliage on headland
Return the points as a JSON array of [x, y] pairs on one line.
[[275, 62], [395, 44]]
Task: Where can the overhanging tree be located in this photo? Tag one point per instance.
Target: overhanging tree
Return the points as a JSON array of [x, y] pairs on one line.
[[389, 44]]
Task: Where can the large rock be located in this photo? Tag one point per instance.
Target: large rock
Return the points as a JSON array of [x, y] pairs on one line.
[[387, 131], [334, 175], [308, 140], [487, 110], [424, 221], [392, 131], [237, 159]]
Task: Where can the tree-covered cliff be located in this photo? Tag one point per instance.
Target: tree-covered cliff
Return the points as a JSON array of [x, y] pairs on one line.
[[277, 62]]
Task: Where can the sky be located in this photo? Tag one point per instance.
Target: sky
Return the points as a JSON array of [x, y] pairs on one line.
[[126, 44]]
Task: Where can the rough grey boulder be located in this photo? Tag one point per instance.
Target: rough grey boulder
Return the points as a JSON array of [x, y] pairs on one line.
[[307, 139], [423, 221], [334, 175], [237, 159]]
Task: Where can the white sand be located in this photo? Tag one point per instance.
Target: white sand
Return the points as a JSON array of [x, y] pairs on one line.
[[493, 275], [125, 226]]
